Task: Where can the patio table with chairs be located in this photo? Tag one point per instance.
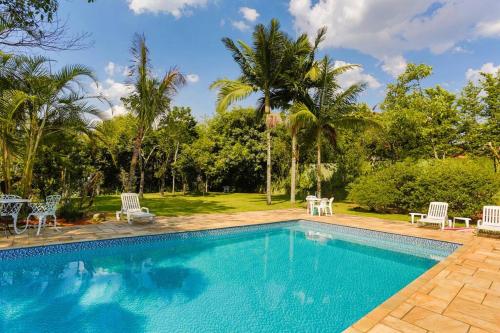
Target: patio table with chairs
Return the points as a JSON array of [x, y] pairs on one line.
[[10, 206], [319, 205]]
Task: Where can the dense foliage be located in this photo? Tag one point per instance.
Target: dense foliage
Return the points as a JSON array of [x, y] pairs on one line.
[[466, 185]]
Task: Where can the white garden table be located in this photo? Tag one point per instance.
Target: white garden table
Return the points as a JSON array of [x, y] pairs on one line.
[[465, 219], [13, 201]]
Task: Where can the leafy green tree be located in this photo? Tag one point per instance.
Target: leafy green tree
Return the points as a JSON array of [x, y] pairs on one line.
[[490, 84], [471, 111], [420, 121], [177, 128], [263, 70], [150, 99]]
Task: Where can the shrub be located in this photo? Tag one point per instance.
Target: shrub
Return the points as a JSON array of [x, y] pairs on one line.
[[466, 184]]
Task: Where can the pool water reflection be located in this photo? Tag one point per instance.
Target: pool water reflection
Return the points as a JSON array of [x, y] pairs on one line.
[[282, 279]]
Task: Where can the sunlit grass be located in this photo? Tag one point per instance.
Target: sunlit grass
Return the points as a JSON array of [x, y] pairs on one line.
[[182, 205]]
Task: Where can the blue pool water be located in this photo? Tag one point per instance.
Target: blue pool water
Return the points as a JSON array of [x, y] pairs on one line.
[[296, 276]]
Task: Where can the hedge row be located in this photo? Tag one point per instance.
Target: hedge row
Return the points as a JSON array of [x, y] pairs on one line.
[[466, 184]]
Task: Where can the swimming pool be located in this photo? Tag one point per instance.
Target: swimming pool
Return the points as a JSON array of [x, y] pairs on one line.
[[289, 276]]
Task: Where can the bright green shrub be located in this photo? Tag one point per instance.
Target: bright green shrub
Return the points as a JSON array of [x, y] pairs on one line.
[[465, 184]]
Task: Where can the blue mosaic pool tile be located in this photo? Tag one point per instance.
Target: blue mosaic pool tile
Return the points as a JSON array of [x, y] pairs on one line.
[[434, 249]]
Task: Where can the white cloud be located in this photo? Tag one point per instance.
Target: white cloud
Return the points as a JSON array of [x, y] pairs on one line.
[[176, 8], [475, 74], [192, 78], [112, 90], [387, 29], [112, 69], [394, 65], [240, 25], [354, 76], [489, 29], [249, 14]]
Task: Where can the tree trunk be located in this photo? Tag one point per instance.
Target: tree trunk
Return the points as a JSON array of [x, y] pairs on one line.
[[141, 182], [6, 163], [133, 163], [318, 170], [206, 185], [35, 137], [173, 170], [293, 168], [162, 185], [267, 112], [268, 174]]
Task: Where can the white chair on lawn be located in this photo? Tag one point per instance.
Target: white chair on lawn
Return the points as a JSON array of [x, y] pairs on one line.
[[437, 214], [490, 220], [42, 210], [132, 208], [310, 203], [327, 206]]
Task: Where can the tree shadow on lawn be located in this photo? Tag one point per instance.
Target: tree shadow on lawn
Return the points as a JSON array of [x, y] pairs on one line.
[[167, 206]]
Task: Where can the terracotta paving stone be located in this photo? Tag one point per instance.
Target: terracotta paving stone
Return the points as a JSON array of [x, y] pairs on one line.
[[381, 328], [401, 310], [477, 315], [401, 325], [471, 294], [428, 302], [446, 290], [493, 301], [478, 330], [434, 322], [459, 294]]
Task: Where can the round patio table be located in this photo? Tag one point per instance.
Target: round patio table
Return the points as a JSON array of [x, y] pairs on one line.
[[11, 201]]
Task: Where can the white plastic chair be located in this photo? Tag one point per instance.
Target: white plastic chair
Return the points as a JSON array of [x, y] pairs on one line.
[[437, 214], [11, 209], [132, 208], [324, 207], [490, 220], [310, 203], [327, 206], [42, 210]]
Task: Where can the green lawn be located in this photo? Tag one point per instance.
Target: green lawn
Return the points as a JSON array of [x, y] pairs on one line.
[[179, 205]]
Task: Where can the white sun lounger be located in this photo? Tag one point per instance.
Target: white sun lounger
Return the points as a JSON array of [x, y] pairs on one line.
[[437, 214], [132, 208], [490, 220]]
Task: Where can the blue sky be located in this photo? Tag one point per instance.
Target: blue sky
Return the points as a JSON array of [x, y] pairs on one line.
[[458, 38]]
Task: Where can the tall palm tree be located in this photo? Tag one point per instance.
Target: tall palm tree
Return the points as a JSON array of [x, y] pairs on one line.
[[150, 99], [263, 70], [296, 90], [328, 109]]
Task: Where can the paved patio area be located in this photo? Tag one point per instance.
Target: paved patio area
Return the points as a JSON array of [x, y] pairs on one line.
[[460, 294]]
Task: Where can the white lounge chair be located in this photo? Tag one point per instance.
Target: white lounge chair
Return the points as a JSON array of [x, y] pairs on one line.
[[133, 210], [437, 214], [490, 220]]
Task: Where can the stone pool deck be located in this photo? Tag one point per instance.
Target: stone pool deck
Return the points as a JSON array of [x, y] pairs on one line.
[[460, 294]]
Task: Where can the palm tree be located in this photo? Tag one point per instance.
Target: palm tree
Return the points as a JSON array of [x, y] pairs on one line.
[[150, 99], [263, 66], [42, 103], [328, 109], [296, 90]]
